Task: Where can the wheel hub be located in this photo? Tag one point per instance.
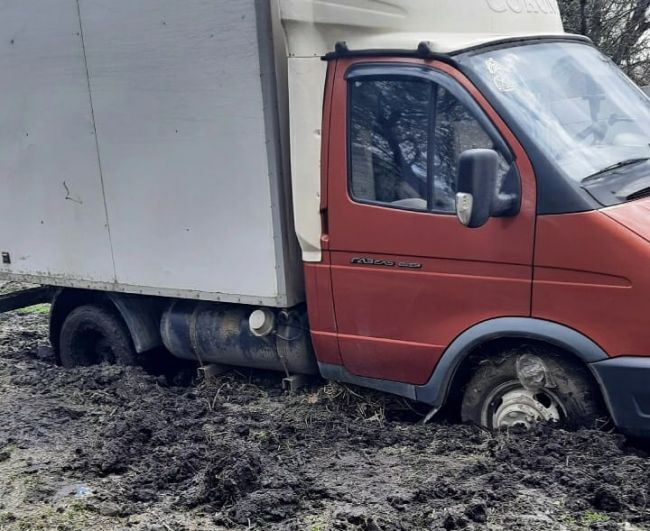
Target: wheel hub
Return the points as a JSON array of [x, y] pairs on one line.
[[521, 407]]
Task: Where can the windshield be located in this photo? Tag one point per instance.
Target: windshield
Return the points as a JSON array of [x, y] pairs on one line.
[[575, 104]]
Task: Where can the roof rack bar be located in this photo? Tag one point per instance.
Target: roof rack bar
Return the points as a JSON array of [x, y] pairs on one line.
[[423, 51]]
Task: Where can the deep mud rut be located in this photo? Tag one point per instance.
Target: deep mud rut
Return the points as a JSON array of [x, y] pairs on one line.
[[119, 448]]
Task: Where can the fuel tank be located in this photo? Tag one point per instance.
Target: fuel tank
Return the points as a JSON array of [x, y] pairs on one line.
[[223, 333]]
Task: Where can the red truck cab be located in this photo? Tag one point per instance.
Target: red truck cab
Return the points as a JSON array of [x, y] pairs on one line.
[[485, 231]]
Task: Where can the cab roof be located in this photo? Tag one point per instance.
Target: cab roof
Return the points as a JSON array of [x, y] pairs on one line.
[[314, 26]]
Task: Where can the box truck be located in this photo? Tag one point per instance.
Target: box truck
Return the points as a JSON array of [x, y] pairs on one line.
[[448, 201]]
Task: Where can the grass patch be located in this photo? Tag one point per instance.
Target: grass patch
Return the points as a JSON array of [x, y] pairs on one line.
[[7, 518], [36, 309], [317, 523], [48, 518], [591, 517]]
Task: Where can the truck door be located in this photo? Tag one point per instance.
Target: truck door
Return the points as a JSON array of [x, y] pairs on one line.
[[407, 277]]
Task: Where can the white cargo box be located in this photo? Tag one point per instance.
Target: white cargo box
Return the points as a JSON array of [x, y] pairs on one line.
[[142, 149]]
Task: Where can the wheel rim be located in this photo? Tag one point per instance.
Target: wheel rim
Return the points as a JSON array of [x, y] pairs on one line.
[[511, 405]]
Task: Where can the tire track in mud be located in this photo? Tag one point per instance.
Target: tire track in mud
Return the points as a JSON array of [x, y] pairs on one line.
[[119, 448]]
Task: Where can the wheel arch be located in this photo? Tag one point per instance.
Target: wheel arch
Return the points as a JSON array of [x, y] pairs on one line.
[[140, 314], [496, 335]]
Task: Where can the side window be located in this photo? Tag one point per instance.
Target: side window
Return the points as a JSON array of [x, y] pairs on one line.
[[389, 136], [405, 140], [457, 130]]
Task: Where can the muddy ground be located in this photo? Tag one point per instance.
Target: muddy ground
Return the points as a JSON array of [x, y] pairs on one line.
[[107, 448]]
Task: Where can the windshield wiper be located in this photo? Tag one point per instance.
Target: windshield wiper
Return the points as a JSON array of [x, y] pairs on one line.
[[622, 164]]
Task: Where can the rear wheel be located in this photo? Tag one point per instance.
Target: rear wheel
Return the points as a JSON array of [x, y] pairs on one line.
[[94, 334], [522, 388]]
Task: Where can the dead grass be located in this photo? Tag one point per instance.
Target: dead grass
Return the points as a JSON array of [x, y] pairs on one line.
[[361, 404]]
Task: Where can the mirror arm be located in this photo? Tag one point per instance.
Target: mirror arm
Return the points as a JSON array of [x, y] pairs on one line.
[[505, 205]]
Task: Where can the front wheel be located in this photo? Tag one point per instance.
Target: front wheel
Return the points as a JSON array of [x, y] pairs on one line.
[[522, 388]]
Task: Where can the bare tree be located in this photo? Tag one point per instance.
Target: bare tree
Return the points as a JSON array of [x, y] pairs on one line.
[[618, 27]]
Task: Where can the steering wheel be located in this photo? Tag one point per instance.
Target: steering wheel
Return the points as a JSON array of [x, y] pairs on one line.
[[598, 134]]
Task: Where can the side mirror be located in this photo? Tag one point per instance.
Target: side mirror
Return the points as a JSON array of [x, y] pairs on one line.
[[477, 180]]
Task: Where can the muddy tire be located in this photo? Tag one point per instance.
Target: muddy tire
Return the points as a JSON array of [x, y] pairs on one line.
[[94, 334], [561, 389]]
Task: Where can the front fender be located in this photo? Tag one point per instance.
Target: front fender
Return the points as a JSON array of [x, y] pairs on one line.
[[435, 391]]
